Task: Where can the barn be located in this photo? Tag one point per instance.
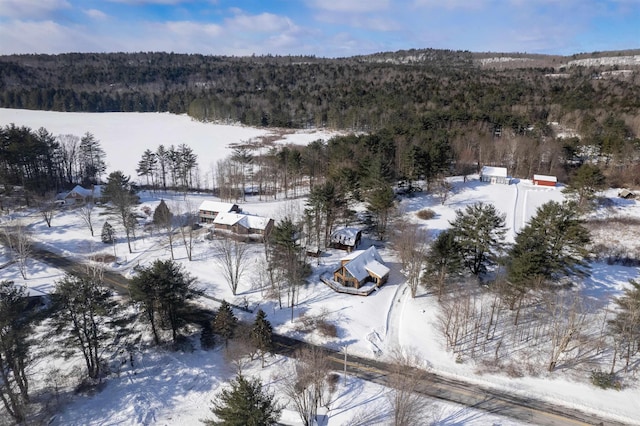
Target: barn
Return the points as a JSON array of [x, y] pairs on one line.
[[544, 180], [494, 175]]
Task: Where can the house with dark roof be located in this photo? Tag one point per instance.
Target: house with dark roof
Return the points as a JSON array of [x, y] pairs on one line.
[[361, 267], [208, 210]]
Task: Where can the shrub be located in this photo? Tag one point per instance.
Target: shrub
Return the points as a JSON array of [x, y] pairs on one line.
[[426, 214], [327, 329], [604, 380]]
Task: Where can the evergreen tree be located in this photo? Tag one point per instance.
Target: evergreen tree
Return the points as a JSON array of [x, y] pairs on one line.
[[262, 334], [119, 192], [479, 231], [16, 324], [84, 311], [225, 322], [92, 159], [287, 263], [108, 233], [164, 290], [552, 244], [380, 202], [444, 259], [245, 403], [584, 185], [147, 166], [163, 218]]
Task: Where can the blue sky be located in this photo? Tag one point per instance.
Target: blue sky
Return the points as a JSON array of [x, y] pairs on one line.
[[328, 28]]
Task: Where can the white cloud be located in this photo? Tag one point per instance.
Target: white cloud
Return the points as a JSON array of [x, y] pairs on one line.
[[265, 22], [350, 5], [191, 29], [31, 9], [95, 14], [45, 37]]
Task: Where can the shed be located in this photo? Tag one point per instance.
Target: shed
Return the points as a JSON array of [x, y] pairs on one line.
[[494, 175], [346, 238], [626, 194], [544, 180]]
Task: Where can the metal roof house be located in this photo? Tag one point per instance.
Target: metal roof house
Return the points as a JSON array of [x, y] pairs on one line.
[[494, 175]]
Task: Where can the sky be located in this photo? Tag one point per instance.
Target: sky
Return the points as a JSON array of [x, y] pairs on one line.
[[324, 28]]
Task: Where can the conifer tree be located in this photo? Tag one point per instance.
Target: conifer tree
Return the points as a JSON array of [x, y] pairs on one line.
[[16, 323], [479, 231], [245, 403], [108, 233], [225, 322], [262, 334], [164, 290]]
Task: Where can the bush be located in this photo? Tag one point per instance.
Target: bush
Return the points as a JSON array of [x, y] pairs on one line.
[[605, 380], [426, 214], [327, 329]]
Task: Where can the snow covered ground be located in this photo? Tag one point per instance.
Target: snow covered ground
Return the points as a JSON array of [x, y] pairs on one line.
[[175, 388]]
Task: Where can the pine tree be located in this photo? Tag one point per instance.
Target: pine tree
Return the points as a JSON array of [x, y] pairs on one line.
[[108, 233], [84, 318], [164, 290], [584, 184], [245, 403], [16, 323], [479, 231], [444, 259], [225, 322], [262, 334], [552, 244], [625, 326]]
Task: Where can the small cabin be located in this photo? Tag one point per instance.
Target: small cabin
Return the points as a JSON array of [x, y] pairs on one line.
[[626, 194], [544, 180], [361, 267]]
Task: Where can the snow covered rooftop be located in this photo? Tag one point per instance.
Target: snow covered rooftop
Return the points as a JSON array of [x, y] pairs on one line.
[[245, 220], [216, 206], [546, 178], [494, 171], [345, 236], [362, 263]]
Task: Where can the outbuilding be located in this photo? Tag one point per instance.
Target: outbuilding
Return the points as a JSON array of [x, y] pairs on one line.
[[544, 180], [494, 175]]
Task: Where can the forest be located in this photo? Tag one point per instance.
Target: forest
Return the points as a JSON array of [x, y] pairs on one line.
[[443, 101]]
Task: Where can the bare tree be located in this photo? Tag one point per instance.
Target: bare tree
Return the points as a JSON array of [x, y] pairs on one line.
[[567, 319], [47, 211], [411, 242], [69, 150], [232, 256], [186, 224], [85, 212], [18, 238], [442, 188], [310, 384], [407, 406]]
